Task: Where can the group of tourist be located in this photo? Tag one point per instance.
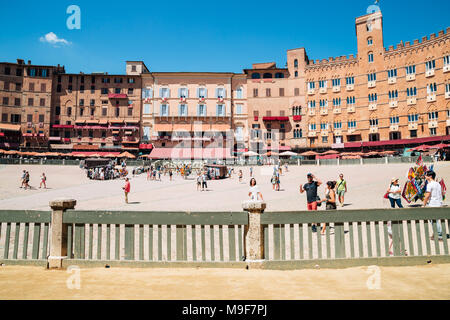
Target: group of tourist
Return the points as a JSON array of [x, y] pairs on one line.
[[104, 173], [25, 179]]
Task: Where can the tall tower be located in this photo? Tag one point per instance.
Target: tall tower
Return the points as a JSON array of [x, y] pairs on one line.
[[369, 34]]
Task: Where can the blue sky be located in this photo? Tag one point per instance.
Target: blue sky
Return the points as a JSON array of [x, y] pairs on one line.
[[201, 35]]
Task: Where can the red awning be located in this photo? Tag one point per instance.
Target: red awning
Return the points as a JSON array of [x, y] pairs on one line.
[[328, 156], [62, 126], [117, 96], [146, 146], [395, 142], [275, 118], [2, 134]]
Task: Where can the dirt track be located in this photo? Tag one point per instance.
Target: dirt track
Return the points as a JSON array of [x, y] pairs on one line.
[[423, 282]]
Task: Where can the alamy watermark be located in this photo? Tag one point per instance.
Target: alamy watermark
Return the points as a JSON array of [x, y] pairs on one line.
[[74, 20], [74, 280]]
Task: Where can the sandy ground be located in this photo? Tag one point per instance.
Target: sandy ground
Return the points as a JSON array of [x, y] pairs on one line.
[[366, 187], [423, 282]]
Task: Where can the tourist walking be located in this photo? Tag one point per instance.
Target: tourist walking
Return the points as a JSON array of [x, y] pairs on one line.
[[273, 181], [27, 180], [433, 198], [330, 200], [240, 175], [170, 174], [395, 193], [311, 194], [254, 193], [204, 178], [251, 172], [126, 189], [24, 174], [43, 181], [341, 189], [199, 181]]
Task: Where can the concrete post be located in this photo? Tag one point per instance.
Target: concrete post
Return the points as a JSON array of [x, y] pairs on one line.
[[298, 162], [361, 160], [58, 237], [386, 160], [253, 232], [338, 161]]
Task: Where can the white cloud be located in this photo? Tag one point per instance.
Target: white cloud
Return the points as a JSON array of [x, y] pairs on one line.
[[53, 39]]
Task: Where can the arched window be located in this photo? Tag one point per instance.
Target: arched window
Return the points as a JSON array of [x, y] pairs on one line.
[[413, 116], [256, 75], [279, 75], [267, 75], [295, 63], [369, 41], [370, 56]]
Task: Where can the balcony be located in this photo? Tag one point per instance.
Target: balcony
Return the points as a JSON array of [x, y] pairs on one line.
[[446, 68], [350, 87], [297, 118], [336, 89], [372, 107], [429, 73], [311, 112], [351, 109], [393, 104], [324, 133], [392, 80], [312, 134], [371, 84], [275, 118], [323, 112], [311, 92], [373, 130], [412, 126], [337, 110], [323, 90], [431, 98], [411, 77], [432, 124], [117, 96], [411, 101], [393, 127]]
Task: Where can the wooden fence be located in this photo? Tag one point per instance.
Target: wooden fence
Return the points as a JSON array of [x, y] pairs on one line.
[[356, 234], [218, 238]]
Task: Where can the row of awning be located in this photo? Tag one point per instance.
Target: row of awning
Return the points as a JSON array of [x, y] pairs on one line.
[[390, 142]]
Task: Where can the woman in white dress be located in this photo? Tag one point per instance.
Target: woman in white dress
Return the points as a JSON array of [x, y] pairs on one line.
[[254, 193]]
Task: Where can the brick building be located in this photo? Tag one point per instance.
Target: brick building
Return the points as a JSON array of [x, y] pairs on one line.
[[25, 97], [380, 97], [96, 112]]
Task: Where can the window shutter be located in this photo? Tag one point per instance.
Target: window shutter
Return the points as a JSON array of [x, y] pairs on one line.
[[160, 93], [179, 92], [150, 93], [187, 92], [224, 93], [217, 92]]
